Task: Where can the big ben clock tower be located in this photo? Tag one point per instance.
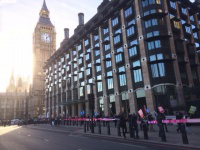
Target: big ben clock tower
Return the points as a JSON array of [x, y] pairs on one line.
[[44, 45]]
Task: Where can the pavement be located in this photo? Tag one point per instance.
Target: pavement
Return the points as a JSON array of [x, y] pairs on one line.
[[46, 137]]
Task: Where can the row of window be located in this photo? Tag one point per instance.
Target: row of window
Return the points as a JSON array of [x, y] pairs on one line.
[[150, 2]]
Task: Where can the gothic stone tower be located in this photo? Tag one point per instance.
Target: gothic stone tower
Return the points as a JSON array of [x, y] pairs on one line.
[[44, 45]]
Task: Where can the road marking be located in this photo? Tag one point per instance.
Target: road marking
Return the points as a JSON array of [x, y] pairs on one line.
[[46, 140], [124, 144], [29, 135], [18, 132]]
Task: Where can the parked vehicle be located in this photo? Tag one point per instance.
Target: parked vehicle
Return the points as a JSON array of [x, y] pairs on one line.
[[15, 121]]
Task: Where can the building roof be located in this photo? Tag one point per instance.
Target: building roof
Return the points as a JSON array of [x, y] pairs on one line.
[[45, 21]]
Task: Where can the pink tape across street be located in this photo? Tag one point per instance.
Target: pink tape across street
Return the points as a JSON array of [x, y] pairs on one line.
[[197, 120]]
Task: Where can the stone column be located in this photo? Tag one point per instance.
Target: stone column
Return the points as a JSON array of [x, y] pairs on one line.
[[118, 101], [87, 110], [175, 62], [196, 54], [106, 106], [104, 83], [146, 77], [129, 78], [188, 67], [80, 107], [73, 110], [96, 100]]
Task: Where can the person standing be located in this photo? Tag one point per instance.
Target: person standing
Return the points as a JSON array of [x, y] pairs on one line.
[[179, 115], [123, 121], [163, 117], [150, 118], [135, 126]]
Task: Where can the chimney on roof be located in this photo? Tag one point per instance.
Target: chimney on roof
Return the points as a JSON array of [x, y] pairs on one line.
[[81, 18], [66, 30]]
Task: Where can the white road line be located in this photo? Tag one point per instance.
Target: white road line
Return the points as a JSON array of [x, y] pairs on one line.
[[46, 140], [125, 144], [29, 135]]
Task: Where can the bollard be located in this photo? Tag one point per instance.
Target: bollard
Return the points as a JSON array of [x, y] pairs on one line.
[[131, 130], [145, 130], [99, 126], [184, 134], [108, 128], [118, 128], [77, 122], [162, 132], [84, 126], [103, 123]]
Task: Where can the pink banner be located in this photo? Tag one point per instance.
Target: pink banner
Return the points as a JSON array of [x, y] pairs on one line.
[[197, 120]]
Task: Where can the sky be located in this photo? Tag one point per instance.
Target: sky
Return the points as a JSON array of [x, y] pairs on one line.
[[18, 19]]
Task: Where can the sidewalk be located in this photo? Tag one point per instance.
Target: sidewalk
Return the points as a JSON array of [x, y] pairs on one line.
[[173, 138]]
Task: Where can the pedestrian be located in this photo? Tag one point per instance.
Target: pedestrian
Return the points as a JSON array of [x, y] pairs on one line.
[[188, 125], [159, 123], [150, 118], [144, 122], [179, 115], [130, 125], [123, 121], [135, 126], [56, 120], [163, 117]]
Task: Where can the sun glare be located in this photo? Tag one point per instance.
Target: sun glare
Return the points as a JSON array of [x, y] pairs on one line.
[[15, 49]]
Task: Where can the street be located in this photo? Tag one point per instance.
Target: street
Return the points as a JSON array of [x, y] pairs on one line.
[[54, 138]]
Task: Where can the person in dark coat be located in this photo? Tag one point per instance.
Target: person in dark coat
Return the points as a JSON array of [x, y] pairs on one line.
[[163, 117], [179, 115], [135, 126], [123, 121]]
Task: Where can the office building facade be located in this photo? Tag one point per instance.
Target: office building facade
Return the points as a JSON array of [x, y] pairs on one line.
[[133, 54]]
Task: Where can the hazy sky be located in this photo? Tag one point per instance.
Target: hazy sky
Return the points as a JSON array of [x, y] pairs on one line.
[[18, 19]]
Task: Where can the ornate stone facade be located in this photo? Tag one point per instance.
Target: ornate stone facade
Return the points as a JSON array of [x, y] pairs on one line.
[[44, 46], [13, 103]]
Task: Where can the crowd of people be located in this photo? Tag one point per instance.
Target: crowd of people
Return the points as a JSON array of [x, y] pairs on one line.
[[131, 121], [5, 122]]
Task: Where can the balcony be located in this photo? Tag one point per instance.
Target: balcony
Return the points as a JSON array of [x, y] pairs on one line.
[[157, 14]]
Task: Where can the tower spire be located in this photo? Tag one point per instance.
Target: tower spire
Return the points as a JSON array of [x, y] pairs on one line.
[[44, 6], [12, 80], [44, 15]]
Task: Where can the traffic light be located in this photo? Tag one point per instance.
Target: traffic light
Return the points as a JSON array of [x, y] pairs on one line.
[[91, 101]]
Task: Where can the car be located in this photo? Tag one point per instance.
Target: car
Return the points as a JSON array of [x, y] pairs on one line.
[[15, 121]]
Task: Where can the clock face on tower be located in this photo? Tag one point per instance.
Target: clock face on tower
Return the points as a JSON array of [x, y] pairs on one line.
[[45, 37]]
